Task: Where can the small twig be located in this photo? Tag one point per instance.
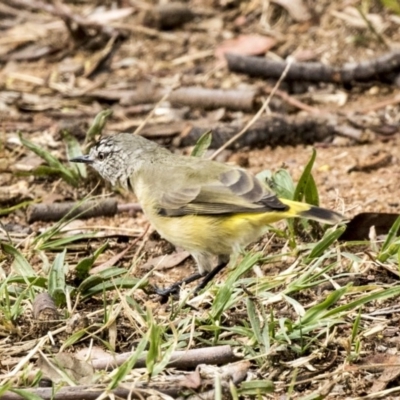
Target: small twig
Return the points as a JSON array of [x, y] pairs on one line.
[[294, 102], [257, 116], [381, 104]]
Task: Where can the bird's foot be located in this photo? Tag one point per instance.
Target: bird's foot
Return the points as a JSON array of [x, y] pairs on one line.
[[175, 288]]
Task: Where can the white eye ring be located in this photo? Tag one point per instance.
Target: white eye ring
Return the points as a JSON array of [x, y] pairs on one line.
[[101, 156]]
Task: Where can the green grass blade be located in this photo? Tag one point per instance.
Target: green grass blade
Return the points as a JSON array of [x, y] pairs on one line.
[[202, 145], [330, 237], [316, 312], [83, 267], [384, 253], [20, 264], [127, 366], [26, 394], [67, 174]]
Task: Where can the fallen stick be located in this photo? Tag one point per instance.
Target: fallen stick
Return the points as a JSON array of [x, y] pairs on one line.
[[184, 360], [192, 96], [56, 211], [314, 71], [278, 130], [81, 392], [89, 209], [173, 386]]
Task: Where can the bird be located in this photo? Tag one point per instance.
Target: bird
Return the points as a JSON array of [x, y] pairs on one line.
[[211, 209]]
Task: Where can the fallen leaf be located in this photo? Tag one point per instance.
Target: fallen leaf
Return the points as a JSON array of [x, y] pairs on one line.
[[248, 45], [193, 380], [64, 367], [390, 367], [166, 261]]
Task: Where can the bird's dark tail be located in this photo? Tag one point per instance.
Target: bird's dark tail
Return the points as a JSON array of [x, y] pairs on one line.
[[304, 210]]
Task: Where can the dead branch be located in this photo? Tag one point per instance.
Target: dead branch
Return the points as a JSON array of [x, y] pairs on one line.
[[202, 380], [56, 211], [242, 100], [83, 392], [278, 130], [316, 72], [168, 16], [183, 360]]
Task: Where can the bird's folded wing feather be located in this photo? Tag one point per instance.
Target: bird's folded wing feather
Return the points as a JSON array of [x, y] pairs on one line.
[[235, 191]]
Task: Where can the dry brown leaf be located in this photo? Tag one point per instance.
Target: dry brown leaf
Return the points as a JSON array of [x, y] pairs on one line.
[[193, 380], [391, 370], [65, 366], [249, 45], [166, 261], [92, 353]]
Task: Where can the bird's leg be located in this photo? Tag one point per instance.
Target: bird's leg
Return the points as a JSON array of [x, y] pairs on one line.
[[174, 289], [207, 278]]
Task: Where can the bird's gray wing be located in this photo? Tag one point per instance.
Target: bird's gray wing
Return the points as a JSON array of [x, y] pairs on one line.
[[233, 191]]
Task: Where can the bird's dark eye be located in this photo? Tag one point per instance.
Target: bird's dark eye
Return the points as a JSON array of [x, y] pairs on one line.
[[101, 156]]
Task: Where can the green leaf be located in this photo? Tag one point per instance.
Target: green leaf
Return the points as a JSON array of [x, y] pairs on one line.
[[102, 276], [8, 210], [318, 311], [57, 286], [98, 125], [38, 281], [20, 265], [127, 366], [202, 144], [256, 388], [154, 339], [311, 194], [393, 5], [83, 267], [385, 252], [60, 243], [282, 184], [225, 292], [306, 186]]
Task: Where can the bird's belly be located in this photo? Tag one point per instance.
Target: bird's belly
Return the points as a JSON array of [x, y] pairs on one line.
[[209, 234]]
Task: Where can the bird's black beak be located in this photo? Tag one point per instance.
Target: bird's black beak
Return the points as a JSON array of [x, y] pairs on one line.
[[82, 159]]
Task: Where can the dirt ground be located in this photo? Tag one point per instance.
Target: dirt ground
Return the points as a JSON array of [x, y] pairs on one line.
[[62, 64]]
